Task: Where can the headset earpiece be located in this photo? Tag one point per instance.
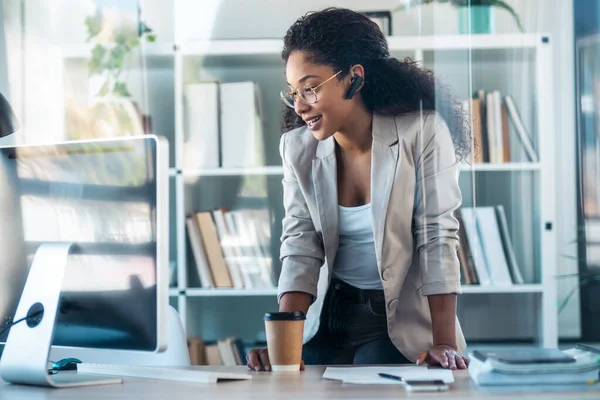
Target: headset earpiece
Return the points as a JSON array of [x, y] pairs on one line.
[[354, 85]]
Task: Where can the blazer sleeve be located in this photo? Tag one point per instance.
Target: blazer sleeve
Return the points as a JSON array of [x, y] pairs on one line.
[[437, 196], [302, 253]]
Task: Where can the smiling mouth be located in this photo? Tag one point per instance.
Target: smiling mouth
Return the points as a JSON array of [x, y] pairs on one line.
[[314, 120]]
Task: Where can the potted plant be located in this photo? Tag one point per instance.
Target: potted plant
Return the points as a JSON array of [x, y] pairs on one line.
[[113, 111], [589, 273], [481, 13]]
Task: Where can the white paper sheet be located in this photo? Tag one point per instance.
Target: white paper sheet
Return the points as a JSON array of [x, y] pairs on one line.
[[369, 375]]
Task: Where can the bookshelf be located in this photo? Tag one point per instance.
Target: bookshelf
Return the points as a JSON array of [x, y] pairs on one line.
[[440, 53], [519, 185]]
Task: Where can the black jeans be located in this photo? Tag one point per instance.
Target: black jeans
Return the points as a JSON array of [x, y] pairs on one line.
[[353, 329]]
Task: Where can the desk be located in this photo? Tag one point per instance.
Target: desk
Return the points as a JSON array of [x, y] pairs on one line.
[[303, 385]]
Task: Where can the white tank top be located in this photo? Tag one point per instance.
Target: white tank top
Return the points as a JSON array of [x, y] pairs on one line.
[[355, 262]]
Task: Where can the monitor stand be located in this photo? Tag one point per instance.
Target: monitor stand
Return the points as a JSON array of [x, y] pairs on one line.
[[25, 356]]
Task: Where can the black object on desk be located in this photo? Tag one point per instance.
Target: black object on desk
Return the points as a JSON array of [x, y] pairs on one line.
[[388, 376]]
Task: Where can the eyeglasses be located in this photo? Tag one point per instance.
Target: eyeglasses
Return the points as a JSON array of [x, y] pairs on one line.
[[307, 94]]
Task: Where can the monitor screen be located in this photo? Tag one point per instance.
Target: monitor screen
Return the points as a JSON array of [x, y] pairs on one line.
[[102, 196]]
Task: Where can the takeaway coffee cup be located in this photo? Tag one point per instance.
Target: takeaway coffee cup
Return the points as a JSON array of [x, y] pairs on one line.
[[284, 340]]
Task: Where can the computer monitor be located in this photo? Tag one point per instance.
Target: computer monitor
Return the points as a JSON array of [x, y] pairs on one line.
[[109, 198]]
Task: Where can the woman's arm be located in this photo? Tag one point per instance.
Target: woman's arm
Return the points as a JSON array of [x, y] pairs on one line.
[[437, 196], [445, 349], [443, 318], [295, 301], [302, 254]]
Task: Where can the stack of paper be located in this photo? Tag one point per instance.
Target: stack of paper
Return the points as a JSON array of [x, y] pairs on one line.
[[584, 361], [585, 369], [370, 375]]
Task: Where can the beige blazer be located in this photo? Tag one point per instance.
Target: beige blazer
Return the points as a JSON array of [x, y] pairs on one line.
[[414, 191]]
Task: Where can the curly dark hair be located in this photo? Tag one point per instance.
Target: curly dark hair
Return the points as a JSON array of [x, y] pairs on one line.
[[341, 38]]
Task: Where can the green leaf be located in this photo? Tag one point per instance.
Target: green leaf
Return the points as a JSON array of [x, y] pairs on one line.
[[121, 37], [120, 90], [132, 43], [103, 90], [117, 57], [93, 24], [566, 299], [583, 276], [151, 38], [98, 51], [96, 64]]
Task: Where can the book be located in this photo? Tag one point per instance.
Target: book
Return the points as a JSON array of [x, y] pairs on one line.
[[491, 243], [202, 265], [241, 125], [259, 223], [226, 351], [225, 241], [253, 261], [579, 364], [464, 256], [491, 127], [239, 251], [201, 125], [477, 253], [472, 109], [485, 145], [478, 131], [484, 374], [240, 351], [506, 157], [197, 351], [524, 356], [515, 272], [519, 125], [213, 356], [497, 129], [214, 253]]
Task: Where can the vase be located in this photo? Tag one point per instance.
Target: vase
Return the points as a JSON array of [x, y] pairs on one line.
[[482, 19]]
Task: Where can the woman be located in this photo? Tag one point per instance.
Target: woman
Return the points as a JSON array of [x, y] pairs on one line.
[[371, 163]]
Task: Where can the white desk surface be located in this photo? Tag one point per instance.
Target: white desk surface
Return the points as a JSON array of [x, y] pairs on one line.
[[302, 385]]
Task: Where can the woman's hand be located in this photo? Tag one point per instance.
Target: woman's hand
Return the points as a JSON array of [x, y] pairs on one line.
[[445, 356], [258, 360]]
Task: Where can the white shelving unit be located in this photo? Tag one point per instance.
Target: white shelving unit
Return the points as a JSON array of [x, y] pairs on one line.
[[259, 60], [222, 53]]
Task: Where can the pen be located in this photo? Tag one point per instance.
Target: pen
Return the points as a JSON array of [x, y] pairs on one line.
[[388, 376]]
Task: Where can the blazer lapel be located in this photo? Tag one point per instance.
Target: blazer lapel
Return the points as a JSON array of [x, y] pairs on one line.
[[384, 160], [325, 185]]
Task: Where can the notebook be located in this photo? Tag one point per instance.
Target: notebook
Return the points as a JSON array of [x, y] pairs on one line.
[[525, 356]]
